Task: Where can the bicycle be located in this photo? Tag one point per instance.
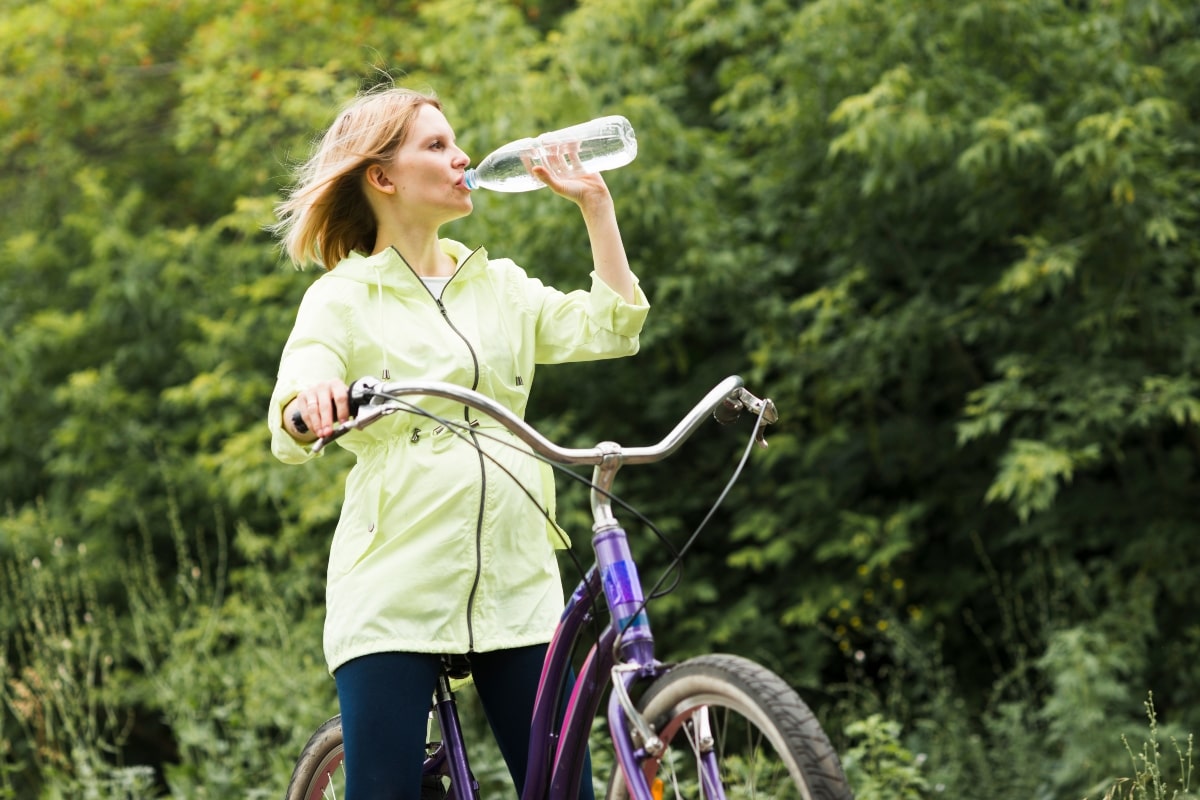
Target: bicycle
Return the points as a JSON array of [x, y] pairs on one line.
[[718, 727]]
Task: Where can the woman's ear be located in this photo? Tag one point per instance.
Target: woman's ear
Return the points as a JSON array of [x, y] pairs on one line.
[[377, 178]]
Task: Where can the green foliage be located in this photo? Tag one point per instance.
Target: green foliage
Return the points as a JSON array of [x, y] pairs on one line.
[[61, 717], [212, 673], [231, 670], [879, 765], [955, 242]]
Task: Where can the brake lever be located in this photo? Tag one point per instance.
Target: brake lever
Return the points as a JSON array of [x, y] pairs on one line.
[[769, 417], [765, 414], [731, 408], [367, 415], [361, 395]]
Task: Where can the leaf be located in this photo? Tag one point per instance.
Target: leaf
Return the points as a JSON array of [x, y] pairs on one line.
[[1031, 473]]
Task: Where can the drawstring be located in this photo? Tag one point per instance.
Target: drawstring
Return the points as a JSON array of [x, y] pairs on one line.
[[387, 373]]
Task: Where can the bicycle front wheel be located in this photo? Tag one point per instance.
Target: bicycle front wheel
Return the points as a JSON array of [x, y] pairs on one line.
[[735, 730], [319, 772]]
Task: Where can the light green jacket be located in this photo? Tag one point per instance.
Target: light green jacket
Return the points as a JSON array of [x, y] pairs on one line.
[[438, 550]]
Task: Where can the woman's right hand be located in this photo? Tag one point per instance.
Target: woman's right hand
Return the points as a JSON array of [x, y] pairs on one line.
[[319, 406]]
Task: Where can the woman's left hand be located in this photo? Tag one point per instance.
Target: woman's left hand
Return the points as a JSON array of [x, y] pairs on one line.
[[570, 181], [589, 191]]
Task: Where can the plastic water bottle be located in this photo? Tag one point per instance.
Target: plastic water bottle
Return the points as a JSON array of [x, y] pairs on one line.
[[604, 143]]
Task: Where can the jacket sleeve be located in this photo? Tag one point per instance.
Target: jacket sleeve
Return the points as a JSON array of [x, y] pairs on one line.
[[587, 325], [316, 350]]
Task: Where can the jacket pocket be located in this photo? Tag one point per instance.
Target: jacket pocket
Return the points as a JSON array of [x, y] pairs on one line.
[[357, 528]]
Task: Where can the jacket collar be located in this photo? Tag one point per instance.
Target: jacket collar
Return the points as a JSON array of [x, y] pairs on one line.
[[388, 267]]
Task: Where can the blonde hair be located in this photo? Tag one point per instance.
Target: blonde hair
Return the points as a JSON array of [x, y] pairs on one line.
[[326, 215]]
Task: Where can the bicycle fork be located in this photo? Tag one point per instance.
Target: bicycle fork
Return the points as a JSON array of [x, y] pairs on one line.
[[641, 753]]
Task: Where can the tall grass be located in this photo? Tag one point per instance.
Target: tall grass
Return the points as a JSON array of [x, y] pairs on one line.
[[63, 727], [1151, 772], [194, 680]]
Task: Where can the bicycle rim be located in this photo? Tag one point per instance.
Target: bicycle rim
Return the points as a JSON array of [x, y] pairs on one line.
[[320, 773], [729, 721]]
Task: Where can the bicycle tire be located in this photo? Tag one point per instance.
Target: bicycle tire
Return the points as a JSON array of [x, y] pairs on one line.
[[315, 776], [318, 773], [746, 706]]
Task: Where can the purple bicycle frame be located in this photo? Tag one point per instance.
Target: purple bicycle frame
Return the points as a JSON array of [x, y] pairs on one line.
[[626, 637], [557, 749]]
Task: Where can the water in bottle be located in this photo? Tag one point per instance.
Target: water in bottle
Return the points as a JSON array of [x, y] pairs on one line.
[[602, 144]]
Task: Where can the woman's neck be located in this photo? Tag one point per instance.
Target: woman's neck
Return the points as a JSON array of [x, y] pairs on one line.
[[423, 253]]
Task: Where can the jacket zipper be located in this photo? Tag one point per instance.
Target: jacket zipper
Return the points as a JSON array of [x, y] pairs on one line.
[[482, 483], [475, 440]]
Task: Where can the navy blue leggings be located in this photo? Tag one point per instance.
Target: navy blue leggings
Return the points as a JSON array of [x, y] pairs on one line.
[[384, 700]]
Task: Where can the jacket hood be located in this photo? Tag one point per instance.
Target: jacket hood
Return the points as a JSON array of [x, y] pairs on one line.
[[388, 267]]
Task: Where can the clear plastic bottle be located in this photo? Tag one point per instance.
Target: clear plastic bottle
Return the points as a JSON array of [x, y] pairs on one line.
[[604, 143]]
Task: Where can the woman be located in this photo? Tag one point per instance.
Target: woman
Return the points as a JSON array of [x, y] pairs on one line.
[[437, 549]]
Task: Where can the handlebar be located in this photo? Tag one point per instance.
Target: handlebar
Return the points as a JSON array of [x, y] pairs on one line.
[[376, 399]]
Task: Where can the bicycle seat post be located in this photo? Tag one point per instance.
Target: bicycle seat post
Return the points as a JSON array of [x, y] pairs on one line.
[[457, 765]]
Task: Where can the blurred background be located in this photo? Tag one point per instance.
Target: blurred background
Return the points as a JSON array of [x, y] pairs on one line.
[[956, 242]]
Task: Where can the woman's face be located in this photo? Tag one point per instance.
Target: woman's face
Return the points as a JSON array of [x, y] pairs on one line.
[[428, 169]]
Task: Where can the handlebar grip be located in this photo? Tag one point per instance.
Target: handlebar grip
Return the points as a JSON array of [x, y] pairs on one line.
[[358, 396]]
